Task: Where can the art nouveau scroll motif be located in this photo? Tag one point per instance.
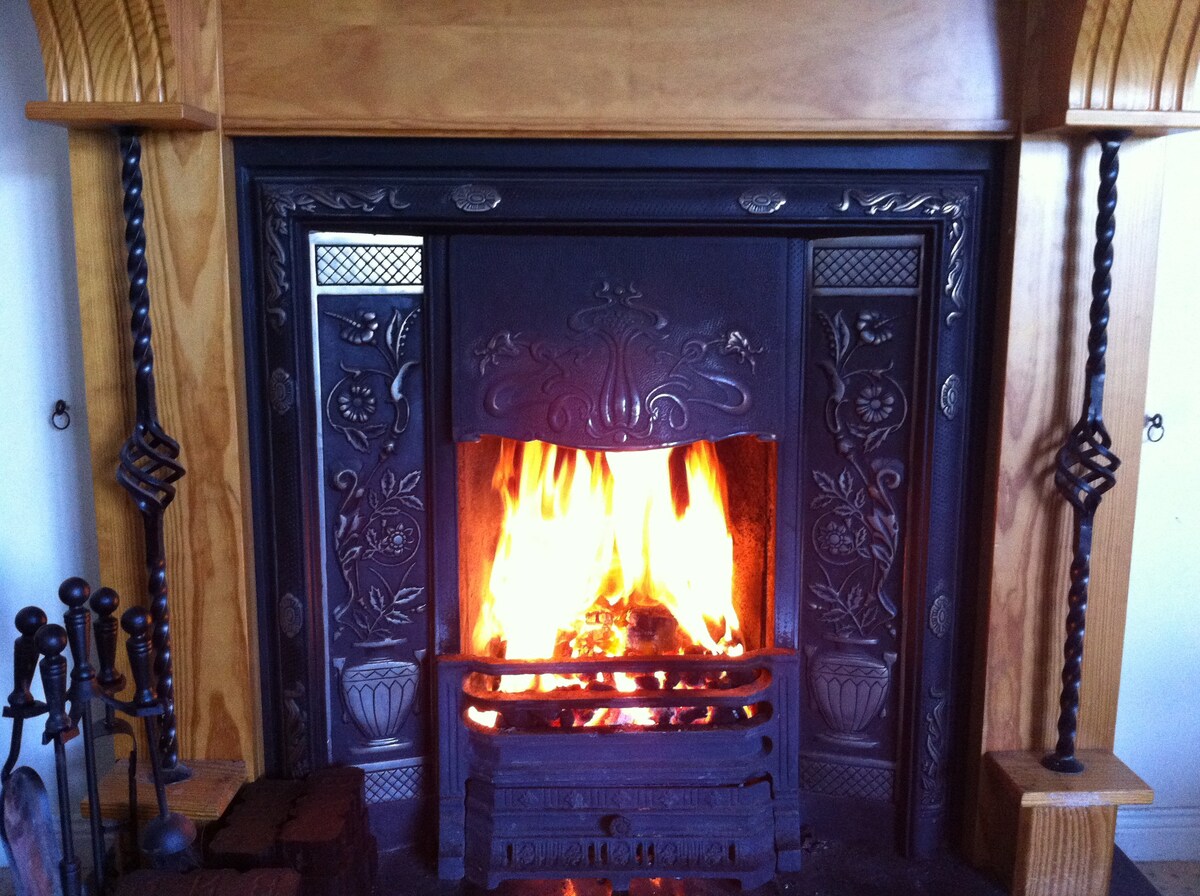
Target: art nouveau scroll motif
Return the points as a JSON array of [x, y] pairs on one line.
[[950, 205], [654, 375], [621, 342], [278, 204]]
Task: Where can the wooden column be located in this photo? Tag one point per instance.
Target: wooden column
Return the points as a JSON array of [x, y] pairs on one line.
[[157, 66]]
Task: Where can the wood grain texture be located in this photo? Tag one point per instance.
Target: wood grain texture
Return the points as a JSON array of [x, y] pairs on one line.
[[119, 52], [104, 116], [1133, 64], [203, 797], [1064, 851], [1053, 833], [107, 352], [1040, 394], [620, 67], [196, 313], [1105, 781]]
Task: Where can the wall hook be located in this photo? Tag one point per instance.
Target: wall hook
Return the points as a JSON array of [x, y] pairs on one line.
[[1154, 428], [60, 417]]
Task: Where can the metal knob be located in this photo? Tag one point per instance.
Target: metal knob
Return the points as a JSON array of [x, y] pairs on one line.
[[617, 826]]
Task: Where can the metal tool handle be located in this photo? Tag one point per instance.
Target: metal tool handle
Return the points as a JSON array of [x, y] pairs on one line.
[[104, 604], [136, 623], [25, 655], [52, 641]]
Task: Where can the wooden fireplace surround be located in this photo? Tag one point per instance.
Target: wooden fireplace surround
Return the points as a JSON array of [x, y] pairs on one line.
[[1040, 75]]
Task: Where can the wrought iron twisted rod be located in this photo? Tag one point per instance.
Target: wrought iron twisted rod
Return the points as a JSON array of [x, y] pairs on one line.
[[1086, 466], [149, 464]]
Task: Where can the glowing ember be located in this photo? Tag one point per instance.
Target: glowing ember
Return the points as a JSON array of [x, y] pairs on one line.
[[608, 555]]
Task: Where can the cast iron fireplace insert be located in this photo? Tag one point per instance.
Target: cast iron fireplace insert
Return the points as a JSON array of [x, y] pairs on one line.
[[614, 500]]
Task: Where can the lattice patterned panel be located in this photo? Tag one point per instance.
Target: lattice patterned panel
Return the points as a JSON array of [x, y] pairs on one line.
[[390, 784], [869, 268], [839, 779], [339, 265]]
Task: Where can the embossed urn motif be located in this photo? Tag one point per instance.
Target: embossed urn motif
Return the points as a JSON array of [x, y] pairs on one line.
[[849, 686], [378, 692]]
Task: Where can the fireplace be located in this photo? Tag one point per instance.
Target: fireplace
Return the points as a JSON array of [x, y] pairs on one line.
[[614, 499]]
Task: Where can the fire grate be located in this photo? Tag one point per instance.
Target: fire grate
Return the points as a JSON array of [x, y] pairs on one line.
[[709, 801]]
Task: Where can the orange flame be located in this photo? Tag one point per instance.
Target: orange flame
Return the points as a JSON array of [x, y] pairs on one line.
[[608, 554]]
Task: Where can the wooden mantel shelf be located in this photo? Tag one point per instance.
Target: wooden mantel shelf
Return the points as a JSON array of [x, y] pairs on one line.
[[100, 116]]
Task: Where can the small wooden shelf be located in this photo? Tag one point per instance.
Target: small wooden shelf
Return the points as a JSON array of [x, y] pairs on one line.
[[1051, 834], [203, 797], [151, 116]]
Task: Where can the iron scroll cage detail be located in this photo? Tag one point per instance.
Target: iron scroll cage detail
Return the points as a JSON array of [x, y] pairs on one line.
[[149, 461], [1086, 465]]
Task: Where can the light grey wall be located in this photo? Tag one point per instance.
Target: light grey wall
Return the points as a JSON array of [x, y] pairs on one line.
[[47, 523], [1158, 719]]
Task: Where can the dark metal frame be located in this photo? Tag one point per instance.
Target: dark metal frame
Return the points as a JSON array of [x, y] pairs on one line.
[[288, 188]]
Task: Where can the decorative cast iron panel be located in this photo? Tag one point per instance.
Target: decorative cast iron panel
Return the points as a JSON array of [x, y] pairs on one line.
[[861, 354], [375, 522], [621, 342], [692, 316]]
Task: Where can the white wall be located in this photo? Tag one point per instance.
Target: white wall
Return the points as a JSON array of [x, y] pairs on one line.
[[47, 522], [1158, 718]]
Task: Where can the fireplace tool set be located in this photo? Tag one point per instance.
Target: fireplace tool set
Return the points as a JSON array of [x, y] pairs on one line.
[[166, 841]]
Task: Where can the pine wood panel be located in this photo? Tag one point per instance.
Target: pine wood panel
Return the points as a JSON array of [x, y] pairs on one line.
[[107, 354], [1052, 834], [710, 67], [195, 313], [101, 116], [1064, 852], [1041, 394], [1043, 389], [127, 51], [1105, 781], [1135, 64], [202, 797]]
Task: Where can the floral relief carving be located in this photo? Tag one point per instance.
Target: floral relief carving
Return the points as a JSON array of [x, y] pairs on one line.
[[652, 378], [857, 535], [355, 404], [376, 529]]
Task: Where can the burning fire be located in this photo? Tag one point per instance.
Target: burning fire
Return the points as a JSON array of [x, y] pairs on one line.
[[608, 554]]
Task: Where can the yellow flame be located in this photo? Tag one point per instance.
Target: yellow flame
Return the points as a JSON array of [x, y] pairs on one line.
[[608, 554]]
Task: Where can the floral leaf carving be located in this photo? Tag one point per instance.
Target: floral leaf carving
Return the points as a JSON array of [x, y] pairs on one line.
[[357, 438]]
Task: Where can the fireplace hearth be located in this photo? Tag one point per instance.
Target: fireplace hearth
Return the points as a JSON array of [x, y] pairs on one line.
[[748, 376]]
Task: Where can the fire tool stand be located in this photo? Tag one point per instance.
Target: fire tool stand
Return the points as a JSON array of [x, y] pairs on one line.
[[1037, 803]]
